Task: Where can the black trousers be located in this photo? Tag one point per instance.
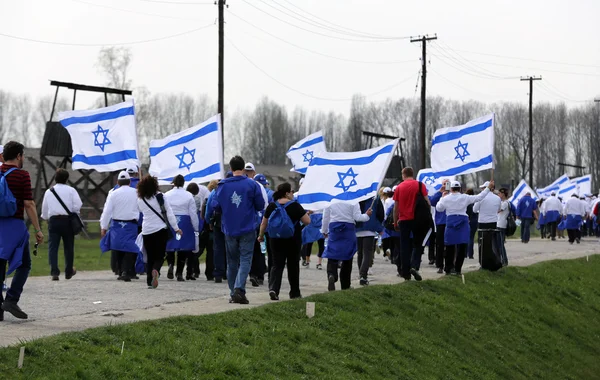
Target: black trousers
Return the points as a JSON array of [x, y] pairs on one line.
[[182, 257], [258, 268], [551, 229], [574, 235], [60, 228], [155, 245], [285, 252], [193, 265], [126, 262], [396, 253], [365, 254], [307, 248], [440, 251], [455, 257], [432, 249], [345, 271], [483, 226]]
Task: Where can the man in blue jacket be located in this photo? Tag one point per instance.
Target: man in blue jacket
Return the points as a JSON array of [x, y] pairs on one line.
[[238, 199], [527, 213]]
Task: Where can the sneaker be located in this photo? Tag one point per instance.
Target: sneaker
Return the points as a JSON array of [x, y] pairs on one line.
[[154, 282], [440, 270], [297, 297], [261, 281], [254, 281], [416, 274], [239, 297], [218, 280], [273, 295], [306, 264], [388, 253], [431, 262], [319, 267], [170, 272], [578, 241], [191, 278], [364, 281], [14, 309], [69, 276], [303, 262], [55, 278], [331, 286], [180, 278]]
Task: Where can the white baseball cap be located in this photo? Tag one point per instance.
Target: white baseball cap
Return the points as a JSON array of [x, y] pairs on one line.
[[124, 175], [132, 170], [387, 190], [394, 188], [454, 184], [249, 166], [486, 184]]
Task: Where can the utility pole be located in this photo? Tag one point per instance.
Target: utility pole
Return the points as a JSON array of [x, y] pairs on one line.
[[531, 79], [220, 105], [422, 147]]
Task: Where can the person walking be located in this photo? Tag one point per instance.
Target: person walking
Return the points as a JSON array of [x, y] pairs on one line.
[[440, 227], [285, 249], [552, 211], [204, 238], [574, 211], [340, 231], [158, 218], [14, 236], [527, 213], [473, 222], [259, 267], [365, 235], [456, 236], [487, 210], [184, 207], [238, 198], [213, 218], [311, 233], [59, 222], [503, 222], [119, 226]]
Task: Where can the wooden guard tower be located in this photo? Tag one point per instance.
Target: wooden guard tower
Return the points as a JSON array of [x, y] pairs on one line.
[[394, 173]]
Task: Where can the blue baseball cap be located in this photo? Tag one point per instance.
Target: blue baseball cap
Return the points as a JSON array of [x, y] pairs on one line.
[[260, 178]]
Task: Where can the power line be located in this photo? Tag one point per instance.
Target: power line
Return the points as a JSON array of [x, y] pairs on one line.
[[103, 44], [316, 52], [538, 69], [134, 12], [177, 2], [472, 72], [304, 93], [312, 31], [545, 88]]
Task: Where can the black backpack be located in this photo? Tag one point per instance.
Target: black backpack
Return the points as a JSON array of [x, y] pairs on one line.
[[511, 224], [423, 218]]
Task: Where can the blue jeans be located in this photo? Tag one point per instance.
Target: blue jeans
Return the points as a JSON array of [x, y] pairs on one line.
[[239, 260], [19, 278], [219, 253], [526, 229]]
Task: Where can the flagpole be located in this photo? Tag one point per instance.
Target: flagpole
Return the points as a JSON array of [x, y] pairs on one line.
[[494, 141]]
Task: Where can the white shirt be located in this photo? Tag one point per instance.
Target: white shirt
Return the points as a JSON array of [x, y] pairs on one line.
[[388, 203], [152, 223], [552, 204], [51, 206], [456, 203], [203, 194], [342, 212], [182, 203], [503, 214], [264, 195], [585, 205], [574, 206], [121, 204], [488, 208]]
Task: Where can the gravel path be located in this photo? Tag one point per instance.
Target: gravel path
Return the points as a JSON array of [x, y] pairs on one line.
[[92, 299]]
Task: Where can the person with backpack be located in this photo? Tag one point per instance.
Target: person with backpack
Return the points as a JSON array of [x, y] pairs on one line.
[[365, 235], [158, 221], [213, 219], [340, 231], [239, 199], [282, 223], [119, 226], [412, 217], [16, 199], [184, 207], [457, 234]]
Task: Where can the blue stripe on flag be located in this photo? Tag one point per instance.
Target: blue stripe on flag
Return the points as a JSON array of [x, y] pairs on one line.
[[106, 159], [455, 171], [212, 127], [586, 179], [518, 192], [566, 189], [301, 170], [308, 143], [347, 196], [351, 161], [98, 117], [215, 168], [455, 135]]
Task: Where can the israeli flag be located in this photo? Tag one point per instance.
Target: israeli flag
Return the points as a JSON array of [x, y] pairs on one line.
[[103, 139], [554, 186], [584, 183], [567, 190], [430, 178], [302, 153], [196, 153], [345, 177], [464, 149], [520, 191]]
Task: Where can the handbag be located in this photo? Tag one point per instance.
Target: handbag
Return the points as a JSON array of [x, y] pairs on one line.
[[163, 211], [74, 218]]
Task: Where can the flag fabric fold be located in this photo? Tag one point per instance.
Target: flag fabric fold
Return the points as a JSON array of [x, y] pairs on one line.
[[554, 186], [302, 153], [430, 178], [196, 153], [468, 148], [103, 139], [520, 191], [345, 177], [584, 184]]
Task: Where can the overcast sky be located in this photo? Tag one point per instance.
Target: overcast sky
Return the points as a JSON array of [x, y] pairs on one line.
[[483, 47]]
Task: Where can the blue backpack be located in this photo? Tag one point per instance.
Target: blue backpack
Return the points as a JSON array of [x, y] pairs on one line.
[[280, 224], [8, 202]]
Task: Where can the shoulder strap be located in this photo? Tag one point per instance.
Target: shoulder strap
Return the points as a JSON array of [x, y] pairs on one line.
[[287, 204], [10, 171], [60, 200], [152, 208]]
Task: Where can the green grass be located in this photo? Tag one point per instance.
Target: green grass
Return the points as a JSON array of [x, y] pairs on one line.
[[521, 323]]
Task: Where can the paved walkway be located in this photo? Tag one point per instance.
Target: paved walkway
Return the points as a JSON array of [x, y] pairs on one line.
[[93, 299]]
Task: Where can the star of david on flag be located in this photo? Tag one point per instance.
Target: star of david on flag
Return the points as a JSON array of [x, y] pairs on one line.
[[195, 153], [348, 177], [304, 151], [468, 148], [308, 156], [103, 139], [431, 180]]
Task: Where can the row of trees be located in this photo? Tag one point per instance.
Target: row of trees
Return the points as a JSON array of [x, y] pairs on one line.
[[264, 134]]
